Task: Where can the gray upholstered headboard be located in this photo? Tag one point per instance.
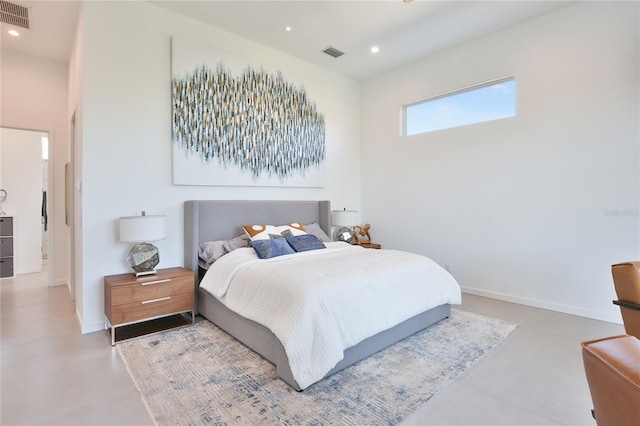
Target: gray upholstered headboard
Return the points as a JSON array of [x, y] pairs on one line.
[[210, 220]]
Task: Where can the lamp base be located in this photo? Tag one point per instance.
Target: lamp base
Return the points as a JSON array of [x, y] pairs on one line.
[[143, 259], [345, 234], [143, 273]]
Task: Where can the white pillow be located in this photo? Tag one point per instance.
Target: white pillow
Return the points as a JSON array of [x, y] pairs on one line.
[[314, 228], [266, 232], [210, 251]]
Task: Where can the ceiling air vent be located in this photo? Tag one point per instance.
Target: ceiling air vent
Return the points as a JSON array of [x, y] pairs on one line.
[[14, 14], [332, 51]]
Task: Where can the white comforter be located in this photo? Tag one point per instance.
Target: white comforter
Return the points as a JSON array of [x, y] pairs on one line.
[[320, 302]]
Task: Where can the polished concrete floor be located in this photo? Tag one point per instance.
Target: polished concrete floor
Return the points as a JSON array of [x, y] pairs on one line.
[[534, 377], [53, 375]]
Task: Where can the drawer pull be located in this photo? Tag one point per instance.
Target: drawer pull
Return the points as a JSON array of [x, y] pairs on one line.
[[157, 282], [162, 299]]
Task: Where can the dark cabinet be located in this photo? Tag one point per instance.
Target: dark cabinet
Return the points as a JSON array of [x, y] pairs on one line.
[[6, 247]]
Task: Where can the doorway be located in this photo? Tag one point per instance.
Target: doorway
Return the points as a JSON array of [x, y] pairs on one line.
[[25, 176]]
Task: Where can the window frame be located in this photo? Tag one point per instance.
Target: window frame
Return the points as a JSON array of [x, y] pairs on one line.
[[451, 93]]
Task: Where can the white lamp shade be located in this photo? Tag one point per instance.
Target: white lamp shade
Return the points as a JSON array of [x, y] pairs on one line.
[[142, 229], [344, 218]]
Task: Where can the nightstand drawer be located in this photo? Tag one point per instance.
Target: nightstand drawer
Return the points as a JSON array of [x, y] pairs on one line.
[[150, 289], [151, 308]]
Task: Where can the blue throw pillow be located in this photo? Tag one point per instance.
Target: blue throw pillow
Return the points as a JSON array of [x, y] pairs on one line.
[[271, 248], [305, 242]]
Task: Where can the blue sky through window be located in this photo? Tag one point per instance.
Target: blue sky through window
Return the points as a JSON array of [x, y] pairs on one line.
[[486, 103]]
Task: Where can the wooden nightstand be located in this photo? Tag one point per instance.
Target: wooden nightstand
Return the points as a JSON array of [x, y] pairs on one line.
[[137, 306], [370, 245]]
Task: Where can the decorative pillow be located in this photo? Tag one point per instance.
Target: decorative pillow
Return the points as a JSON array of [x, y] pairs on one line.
[[210, 251], [265, 232], [237, 242], [314, 228], [305, 242], [271, 248]]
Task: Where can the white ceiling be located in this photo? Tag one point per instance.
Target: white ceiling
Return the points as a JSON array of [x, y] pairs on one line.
[[404, 32], [51, 33]]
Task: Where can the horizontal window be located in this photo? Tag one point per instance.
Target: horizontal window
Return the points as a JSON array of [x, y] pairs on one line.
[[477, 104]]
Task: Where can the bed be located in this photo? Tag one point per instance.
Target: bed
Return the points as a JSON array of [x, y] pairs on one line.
[[211, 220]]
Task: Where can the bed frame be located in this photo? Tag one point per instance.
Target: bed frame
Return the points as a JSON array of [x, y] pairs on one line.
[[211, 220]]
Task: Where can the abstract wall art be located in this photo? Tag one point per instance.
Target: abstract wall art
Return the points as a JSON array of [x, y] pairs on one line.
[[237, 123]]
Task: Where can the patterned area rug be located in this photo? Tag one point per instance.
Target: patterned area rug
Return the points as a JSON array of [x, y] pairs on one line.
[[200, 375]]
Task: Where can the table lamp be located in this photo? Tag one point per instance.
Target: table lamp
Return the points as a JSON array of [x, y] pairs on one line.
[[345, 220], [143, 257]]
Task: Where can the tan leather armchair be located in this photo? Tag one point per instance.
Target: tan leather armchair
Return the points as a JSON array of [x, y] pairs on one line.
[[612, 366], [626, 279]]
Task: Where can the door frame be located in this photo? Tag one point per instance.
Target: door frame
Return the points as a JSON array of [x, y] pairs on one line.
[[50, 197]]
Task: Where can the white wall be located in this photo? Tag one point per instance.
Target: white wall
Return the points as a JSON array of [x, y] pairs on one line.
[[74, 112], [34, 97], [126, 135], [532, 209], [21, 177]]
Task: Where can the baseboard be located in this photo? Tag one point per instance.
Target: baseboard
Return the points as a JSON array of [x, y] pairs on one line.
[[92, 328], [60, 282], [565, 309], [89, 328], [29, 271], [71, 293]]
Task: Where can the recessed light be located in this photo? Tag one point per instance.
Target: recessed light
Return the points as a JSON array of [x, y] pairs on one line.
[[13, 33], [287, 28], [375, 49]]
